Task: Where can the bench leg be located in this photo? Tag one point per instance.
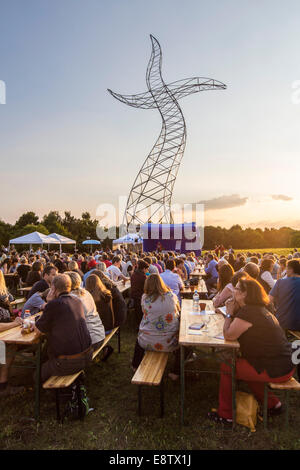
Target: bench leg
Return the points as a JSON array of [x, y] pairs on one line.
[[287, 403], [265, 410], [119, 340], [57, 397], [37, 383], [162, 398], [140, 400]]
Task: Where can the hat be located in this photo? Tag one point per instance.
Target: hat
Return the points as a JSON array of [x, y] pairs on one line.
[[92, 264]]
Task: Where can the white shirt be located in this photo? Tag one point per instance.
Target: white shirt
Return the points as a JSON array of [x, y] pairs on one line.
[[114, 273], [267, 277]]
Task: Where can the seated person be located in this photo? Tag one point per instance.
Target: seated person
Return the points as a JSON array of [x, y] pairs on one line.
[[286, 297], [91, 266], [93, 321], [159, 328], [138, 279], [110, 314], [10, 351], [5, 299], [49, 273], [265, 278], [172, 279], [63, 321], [211, 271], [73, 266], [266, 353], [36, 303], [35, 274], [114, 271], [252, 269], [224, 285], [23, 269]]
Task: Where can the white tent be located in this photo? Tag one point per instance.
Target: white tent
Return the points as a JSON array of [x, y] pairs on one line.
[[62, 240], [34, 238], [129, 238]]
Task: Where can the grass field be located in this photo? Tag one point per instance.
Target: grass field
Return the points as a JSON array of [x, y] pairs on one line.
[[114, 423], [277, 251]]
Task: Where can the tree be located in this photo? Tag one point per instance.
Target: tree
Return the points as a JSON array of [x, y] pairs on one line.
[[26, 219], [54, 223]]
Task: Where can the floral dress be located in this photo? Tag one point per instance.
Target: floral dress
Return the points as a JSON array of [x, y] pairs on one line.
[[4, 308], [159, 327]]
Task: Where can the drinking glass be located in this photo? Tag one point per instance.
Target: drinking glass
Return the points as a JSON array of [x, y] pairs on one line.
[[206, 320]]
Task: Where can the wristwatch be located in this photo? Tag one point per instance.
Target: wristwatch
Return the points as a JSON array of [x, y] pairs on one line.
[[228, 315]]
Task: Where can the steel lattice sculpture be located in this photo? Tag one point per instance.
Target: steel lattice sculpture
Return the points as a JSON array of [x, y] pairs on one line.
[[153, 186]]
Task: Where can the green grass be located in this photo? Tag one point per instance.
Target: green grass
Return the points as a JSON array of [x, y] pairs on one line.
[[277, 251], [114, 423]]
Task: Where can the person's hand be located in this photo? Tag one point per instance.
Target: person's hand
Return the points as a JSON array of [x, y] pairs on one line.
[[230, 305], [51, 295], [18, 321]]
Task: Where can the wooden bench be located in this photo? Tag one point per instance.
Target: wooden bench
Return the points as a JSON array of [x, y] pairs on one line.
[[291, 384], [18, 302], [150, 372], [60, 382], [295, 333]]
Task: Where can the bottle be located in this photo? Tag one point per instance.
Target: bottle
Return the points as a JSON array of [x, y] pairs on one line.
[[196, 300], [26, 323]]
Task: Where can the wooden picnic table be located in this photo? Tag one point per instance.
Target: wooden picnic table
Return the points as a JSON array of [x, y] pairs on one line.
[[187, 292], [123, 288], [14, 336], [198, 273], [25, 289], [204, 340]]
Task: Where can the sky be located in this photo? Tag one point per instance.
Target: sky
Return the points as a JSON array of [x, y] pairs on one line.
[[67, 144]]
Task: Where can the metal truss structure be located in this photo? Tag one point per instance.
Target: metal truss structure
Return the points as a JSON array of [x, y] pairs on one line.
[[150, 196]]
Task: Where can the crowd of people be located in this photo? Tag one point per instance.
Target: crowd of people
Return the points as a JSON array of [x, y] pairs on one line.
[[80, 298]]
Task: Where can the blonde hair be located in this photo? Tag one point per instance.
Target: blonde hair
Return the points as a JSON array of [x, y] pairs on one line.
[[75, 282], [102, 266], [72, 265], [97, 289], [3, 288], [155, 287]]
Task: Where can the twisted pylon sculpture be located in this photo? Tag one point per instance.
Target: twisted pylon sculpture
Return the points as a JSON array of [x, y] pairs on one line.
[[150, 196]]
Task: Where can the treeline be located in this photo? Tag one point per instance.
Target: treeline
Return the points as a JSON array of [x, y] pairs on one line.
[[78, 229], [85, 227], [239, 238]]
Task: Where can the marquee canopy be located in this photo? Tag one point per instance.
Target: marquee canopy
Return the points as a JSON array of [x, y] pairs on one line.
[[128, 239], [62, 240], [34, 238]]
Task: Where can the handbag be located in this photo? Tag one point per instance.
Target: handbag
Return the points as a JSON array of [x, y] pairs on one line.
[[246, 410]]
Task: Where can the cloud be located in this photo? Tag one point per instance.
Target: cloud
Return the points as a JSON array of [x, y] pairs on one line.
[[224, 202], [281, 197]]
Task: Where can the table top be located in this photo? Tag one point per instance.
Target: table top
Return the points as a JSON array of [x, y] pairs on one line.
[[121, 286], [14, 335], [11, 274], [25, 289], [215, 328], [198, 272], [201, 288]]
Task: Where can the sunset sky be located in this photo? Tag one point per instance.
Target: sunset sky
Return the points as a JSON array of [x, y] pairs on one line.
[[66, 144]]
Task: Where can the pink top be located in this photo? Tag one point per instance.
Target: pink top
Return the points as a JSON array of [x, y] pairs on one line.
[[222, 296]]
